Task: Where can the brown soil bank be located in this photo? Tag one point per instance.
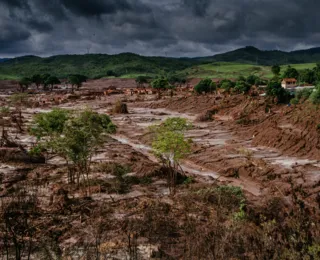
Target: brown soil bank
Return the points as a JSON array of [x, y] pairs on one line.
[[294, 130]]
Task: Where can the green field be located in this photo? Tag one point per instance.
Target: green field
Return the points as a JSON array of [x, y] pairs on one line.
[[234, 70], [8, 77]]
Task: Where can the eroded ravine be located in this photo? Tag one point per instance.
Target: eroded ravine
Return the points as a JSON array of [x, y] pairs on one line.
[[206, 135]]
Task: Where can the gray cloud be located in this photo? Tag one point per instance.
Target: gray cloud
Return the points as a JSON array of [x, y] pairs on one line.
[[167, 27]]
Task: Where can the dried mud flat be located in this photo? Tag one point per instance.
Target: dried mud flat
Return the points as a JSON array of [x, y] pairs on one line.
[[224, 153]]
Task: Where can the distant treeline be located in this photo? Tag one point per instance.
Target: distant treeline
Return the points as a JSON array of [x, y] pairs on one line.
[[93, 65], [129, 64]]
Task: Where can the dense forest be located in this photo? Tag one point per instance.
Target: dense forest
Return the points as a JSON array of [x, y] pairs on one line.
[[93, 65]]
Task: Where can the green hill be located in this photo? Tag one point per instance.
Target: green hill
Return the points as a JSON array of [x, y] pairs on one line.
[[252, 55], [234, 70], [93, 65], [244, 61]]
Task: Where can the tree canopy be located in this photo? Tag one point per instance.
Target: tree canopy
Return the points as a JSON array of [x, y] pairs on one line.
[[24, 83], [206, 86], [76, 80], [290, 73], [160, 84], [276, 70], [51, 81], [275, 90], [74, 137]]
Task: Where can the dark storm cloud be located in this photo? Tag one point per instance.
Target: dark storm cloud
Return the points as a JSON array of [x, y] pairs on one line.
[[14, 3], [96, 7], [167, 27], [199, 7], [40, 26]]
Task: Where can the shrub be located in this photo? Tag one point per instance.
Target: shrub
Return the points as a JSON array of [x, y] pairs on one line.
[[305, 93], [242, 87], [294, 101], [315, 97], [120, 108], [226, 84], [36, 150], [207, 116], [47, 124], [206, 86]]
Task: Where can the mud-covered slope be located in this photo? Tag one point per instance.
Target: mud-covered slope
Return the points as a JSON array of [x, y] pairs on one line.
[[293, 130]]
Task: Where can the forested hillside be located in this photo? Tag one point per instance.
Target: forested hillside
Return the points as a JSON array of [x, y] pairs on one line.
[[130, 65]]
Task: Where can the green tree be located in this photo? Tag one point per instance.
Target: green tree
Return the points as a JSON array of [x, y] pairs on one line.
[[170, 146], [76, 80], [37, 80], [276, 70], [308, 76], [275, 90], [205, 86], [77, 142], [49, 124], [44, 78], [315, 96], [160, 84], [140, 80], [51, 81], [290, 73], [242, 86], [226, 84], [316, 71], [252, 79], [177, 80], [24, 84]]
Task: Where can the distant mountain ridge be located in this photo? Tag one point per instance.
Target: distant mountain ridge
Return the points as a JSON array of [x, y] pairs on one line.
[[130, 64], [3, 59], [253, 55]]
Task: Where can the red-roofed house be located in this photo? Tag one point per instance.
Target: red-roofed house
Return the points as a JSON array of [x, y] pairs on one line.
[[289, 83]]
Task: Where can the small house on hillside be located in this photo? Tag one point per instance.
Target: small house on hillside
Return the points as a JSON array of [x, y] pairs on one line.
[[289, 83]]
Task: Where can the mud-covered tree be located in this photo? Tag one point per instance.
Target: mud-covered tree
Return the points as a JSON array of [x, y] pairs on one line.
[[170, 146], [51, 81], [18, 101], [205, 86], [24, 84], [4, 112], [160, 84]]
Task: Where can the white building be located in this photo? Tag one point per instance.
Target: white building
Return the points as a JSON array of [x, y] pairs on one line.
[[289, 83]]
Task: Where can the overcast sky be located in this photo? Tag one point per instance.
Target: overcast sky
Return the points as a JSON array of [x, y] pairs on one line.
[[155, 27]]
